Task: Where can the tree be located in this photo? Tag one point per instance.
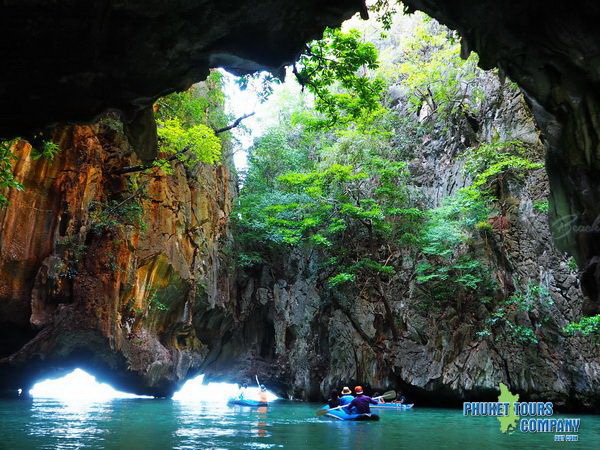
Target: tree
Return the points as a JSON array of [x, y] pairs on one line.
[[336, 70]]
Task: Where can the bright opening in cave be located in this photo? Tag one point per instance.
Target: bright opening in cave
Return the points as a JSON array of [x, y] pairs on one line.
[[77, 386], [194, 390]]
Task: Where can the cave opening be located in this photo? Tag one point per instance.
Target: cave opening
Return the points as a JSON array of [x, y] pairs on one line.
[[196, 390], [77, 386], [397, 236]]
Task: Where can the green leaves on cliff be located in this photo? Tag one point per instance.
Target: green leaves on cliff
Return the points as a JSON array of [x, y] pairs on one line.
[[192, 145], [451, 270], [585, 327], [492, 164], [186, 123], [434, 74], [7, 178], [47, 150]]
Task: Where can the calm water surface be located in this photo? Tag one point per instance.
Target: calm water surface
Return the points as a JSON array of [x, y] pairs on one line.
[[164, 424]]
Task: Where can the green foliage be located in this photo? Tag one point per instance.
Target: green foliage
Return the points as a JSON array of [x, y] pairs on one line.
[[585, 327], [542, 206], [434, 74], [260, 82], [115, 214], [452, 270], [336, 70], [186, 123], [327, 203], [341, 278], [509, 314], [200, 104], [192, 145], [384, 11], [7, 178], [48, 151], [521, 334], [572, 264], [154, 301], [491, 164]]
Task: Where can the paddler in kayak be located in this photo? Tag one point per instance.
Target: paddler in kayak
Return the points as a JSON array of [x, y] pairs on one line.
[[242, 392], [262, 395], [334, 399], [360, 404], [346, 397], [400, 398]]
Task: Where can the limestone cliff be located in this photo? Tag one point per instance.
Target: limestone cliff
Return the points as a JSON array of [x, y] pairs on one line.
[[313, 338], [105, 271]]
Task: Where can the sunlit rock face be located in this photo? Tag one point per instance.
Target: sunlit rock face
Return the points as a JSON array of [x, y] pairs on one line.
[[313, 338], [115, 296], [550, 49], [71, 60]]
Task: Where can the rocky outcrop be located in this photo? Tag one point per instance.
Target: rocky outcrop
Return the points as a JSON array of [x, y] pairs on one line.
[[549, 50], [70, 61], [313, 338], [103, 271]]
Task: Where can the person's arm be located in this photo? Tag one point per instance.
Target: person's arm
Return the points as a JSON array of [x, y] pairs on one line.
[[351, 405], [373, 402]]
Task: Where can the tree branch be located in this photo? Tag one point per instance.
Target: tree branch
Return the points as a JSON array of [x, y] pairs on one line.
[[235, 123], [142, 167]]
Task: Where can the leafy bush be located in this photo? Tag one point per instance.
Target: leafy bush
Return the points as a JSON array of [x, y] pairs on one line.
[[451, 271], [435, 74], [491, 164], [192, 145], [585, 327]]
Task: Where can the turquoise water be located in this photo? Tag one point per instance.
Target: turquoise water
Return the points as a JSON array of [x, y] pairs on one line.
[[164, 424]]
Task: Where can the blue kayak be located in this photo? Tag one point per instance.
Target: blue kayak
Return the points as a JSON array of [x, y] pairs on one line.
[[251, 403], [399, 406], [341, 414]]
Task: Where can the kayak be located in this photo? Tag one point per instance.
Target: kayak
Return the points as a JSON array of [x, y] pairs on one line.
[[251, 403], [399, 406], [340, 414]]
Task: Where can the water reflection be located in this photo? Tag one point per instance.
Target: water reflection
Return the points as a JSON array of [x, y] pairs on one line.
[[262, 421], [158, 424], [68, 422]]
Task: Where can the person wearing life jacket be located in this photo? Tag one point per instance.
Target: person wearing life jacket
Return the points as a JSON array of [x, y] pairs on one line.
[[346, 397], [360, 404]]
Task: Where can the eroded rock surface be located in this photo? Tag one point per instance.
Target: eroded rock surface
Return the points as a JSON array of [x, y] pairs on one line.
[[550, 50], [85, 281]]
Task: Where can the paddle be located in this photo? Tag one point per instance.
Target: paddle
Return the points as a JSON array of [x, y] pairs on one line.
[[389, 395]]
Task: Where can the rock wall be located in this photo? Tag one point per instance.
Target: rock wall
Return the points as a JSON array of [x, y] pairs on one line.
[[314, 338], [101, 274], [550, 51]]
